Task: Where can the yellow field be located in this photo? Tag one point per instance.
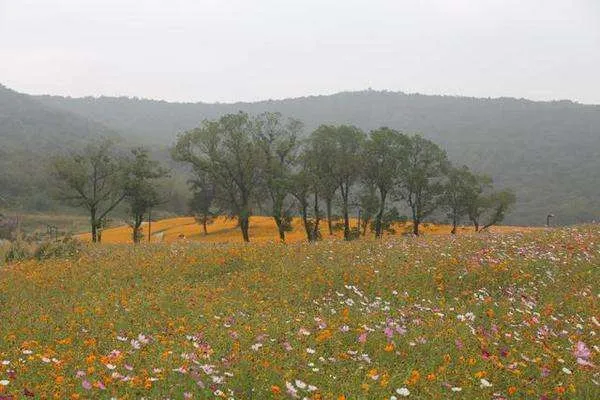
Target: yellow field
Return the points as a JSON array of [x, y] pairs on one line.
[[262, 229]]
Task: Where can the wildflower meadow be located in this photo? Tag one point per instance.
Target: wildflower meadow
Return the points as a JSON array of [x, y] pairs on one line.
[[475, 316]]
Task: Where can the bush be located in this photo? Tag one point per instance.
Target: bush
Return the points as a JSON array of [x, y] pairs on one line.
[[18, 251], [66, 248]]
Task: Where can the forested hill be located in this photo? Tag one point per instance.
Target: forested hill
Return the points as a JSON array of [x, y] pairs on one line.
[[30, 133], [549, 152]]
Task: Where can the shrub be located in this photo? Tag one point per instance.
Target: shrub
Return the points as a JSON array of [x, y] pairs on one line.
[[66, 248], [17, 251]]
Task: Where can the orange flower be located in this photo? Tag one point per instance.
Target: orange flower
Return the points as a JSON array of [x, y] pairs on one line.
[[560, 389], [324, 335], [480, 374], [414, 377], [275, 389], [512, 390], [59, 380], [431, 377]]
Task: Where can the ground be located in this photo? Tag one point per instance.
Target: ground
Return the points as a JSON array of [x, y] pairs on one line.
[[489, 316]]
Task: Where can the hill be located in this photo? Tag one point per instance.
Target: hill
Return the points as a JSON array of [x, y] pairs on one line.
[[549, 152], [472, 317], [30, 133]]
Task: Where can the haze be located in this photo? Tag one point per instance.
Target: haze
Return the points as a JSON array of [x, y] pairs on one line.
[[185, 50]]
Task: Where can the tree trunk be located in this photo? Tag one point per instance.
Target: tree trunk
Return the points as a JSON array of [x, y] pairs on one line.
[[315, 231], [345, 212], [204, 223], [379, 217], [280, 228], [304, 213], [329, 223], [94, 225], [137, 234], [476, 225], [416, 222], [454, 224], [244, 226]]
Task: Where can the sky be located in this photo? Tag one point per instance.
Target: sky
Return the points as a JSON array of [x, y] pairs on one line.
[[246, 50]]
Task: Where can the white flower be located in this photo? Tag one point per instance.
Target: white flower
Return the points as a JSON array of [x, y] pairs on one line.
[[456, 389], [310, 351], [256, 346], [404, 392], [300, 384], [27, 352], [5, 362], [110, 366], [566, 371], [484, 383], [4, 383]]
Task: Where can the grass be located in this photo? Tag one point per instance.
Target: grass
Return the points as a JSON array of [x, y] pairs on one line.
[[477, 316]]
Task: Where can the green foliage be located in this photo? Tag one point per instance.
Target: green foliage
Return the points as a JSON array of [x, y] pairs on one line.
[[422, 174], [140, 188], [61, 249], [17, 251], [93, 179], [226, 151]]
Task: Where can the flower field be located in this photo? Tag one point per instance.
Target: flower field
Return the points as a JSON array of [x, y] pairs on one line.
[[489, 316], [262, 230]]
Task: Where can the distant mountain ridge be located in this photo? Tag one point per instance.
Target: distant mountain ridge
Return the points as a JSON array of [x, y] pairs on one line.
[[549, 152]]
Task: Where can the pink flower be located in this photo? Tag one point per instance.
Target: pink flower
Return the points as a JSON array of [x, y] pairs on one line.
[[362, 338], [459, 344], [86, 384], [389, 332], [581, 351]]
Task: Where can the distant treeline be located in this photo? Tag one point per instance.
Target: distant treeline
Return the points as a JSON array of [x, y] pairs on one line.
[[241, 164]]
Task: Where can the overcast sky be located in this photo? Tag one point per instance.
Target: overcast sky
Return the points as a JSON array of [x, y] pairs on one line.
[[222, 50]]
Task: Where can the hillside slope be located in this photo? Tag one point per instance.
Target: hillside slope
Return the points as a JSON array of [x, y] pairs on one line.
[[549, 152], [30, 133]]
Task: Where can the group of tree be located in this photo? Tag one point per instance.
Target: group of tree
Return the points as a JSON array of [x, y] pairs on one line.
[[243, 163], [99, 179]]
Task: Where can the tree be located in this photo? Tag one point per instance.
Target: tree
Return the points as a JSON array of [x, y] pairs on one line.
[[422, 172], [479, 201], [93, 179], [278, 143], [306, 184], [141, 192], [321, 149], [370, 206], [461, 187], [498, 204], [226, 151], [202, 203], [347, 155], [385, 151]]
